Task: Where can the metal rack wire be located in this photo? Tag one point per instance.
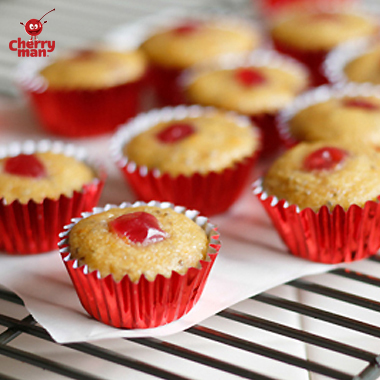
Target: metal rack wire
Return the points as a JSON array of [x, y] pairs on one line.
[[15, 327]]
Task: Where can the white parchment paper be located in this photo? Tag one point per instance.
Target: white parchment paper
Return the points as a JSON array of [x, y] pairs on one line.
[[252, 258]]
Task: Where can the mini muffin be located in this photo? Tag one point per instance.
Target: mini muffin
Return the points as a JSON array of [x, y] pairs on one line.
[[42, 186], [323, 199], [42, 175], [87, 92], [308, 37], [189, 41], [258, 85], [135, 253], [346, 114], [197, 157], [153, 259]]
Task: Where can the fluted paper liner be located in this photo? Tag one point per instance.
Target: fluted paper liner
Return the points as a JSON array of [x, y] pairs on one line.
[[325, 236], [142, 304], [77, 112], [338, 58], [33, 227], [210, 193], [319, 95], [266, 121]]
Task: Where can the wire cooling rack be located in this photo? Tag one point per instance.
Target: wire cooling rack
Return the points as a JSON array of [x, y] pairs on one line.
[[233, 344], [321, 327]]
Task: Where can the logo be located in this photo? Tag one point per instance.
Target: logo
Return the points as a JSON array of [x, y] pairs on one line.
[[34, 47]]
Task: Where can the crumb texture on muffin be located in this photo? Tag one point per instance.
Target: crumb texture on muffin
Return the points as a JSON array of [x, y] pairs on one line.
[[355, 180], [322, 31], [95, 69], [218, 142], [347, 119], [93, 243], [222, 88], [64, 175], [364, 68], [181, 50]]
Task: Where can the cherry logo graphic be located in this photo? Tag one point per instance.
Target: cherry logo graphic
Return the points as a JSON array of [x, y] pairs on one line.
[[34, 27]]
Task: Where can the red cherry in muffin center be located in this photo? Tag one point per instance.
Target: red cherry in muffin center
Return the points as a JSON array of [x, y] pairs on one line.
[[26, 165], [85, 54], [324, 159], [360, 103], [175, 132], [247, 76], [321, 17], [138, 227], [188, 27]]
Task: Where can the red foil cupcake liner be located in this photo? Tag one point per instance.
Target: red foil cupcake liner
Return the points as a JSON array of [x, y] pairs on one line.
[[33, 227], [79, 113], [164, 81], [142, 304], [272, 140], [315, 96], [325, 236], [210, 193], [312, 59]]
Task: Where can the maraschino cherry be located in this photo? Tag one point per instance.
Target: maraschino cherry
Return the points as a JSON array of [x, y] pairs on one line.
[[85, 54], [324, 159], [26, 165], [188, 27], [360, 103], [325, 17], [175, 132], [138, 227], [247, 76]]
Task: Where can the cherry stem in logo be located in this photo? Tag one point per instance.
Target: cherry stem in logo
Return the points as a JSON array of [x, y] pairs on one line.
[[46, 14]]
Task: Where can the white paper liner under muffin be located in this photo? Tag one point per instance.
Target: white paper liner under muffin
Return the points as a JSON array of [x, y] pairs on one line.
[[211, 192], [33, 227], [338, 58], [143, 303], [319, 95]]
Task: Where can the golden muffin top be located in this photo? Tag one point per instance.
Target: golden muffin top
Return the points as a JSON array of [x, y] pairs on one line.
[[325, 173], [248, 90], [364, 68], [322, 31], [350, 119], [95, 69], [135, 241], [42, 175], [194, 41], [193, 145]]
